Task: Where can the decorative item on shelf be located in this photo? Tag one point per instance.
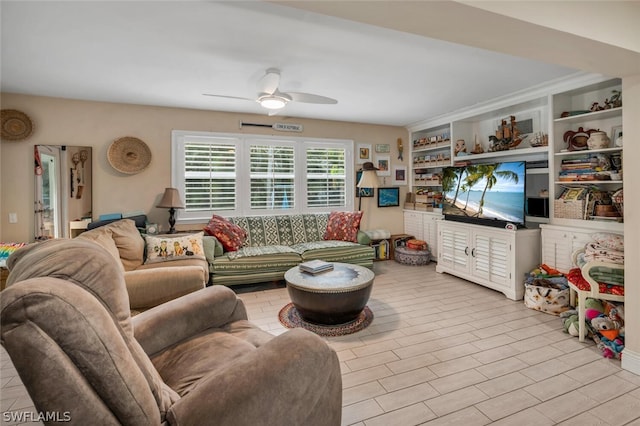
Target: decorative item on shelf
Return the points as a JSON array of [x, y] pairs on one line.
[[572, 113], [615, 100], [171, 200], [369, 179], [129, 155], [461, 148], [539, 139], [598, 140], [477, 147], [507, 136], [577, 140], [618, 201], [16, 125]]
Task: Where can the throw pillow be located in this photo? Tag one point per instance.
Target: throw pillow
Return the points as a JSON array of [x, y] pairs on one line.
[[165, 248], [231, 236], [343, 226]]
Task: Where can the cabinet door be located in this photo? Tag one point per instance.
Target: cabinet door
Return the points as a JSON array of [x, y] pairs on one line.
[[490, 258], [454, 248], [556, 249], [413, 225], [430, 225]]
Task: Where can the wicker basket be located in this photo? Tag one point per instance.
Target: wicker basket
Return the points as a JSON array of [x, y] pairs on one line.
[[573, 209]]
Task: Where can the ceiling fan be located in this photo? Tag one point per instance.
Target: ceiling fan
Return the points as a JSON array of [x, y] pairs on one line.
[[271, 98]]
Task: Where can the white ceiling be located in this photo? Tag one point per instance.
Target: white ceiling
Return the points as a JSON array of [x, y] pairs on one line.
[[170, 53]]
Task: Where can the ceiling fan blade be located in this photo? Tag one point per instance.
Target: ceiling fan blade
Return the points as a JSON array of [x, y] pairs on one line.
[[310, 98], [229, 97], [270, 81]]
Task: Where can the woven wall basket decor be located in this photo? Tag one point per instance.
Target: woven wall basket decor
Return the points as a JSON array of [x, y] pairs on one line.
[[16, 125], [129, 155]]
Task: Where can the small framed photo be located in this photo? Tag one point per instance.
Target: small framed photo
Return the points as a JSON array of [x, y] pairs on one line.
[[383, 162], [151, 228], [364, 153], [399, 175], [388, 197], [362, 192], [383, 147], [616, 132]]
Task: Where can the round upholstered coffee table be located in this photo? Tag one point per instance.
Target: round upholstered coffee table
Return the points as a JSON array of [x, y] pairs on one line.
[[332, 297]]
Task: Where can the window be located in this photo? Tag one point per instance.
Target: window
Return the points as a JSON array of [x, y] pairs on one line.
[[231, 174]]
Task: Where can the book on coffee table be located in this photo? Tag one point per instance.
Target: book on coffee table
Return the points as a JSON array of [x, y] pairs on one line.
[[316, 266]]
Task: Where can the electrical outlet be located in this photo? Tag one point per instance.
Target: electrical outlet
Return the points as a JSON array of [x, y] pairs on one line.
[[13, 217]]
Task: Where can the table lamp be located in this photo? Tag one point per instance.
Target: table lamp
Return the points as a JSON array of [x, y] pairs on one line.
[[171, 200], [369, 179]]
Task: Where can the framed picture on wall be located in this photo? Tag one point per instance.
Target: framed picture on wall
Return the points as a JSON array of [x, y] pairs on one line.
[[364, 153], [383, 147], [388, 197], [399, 175], [383, 163]]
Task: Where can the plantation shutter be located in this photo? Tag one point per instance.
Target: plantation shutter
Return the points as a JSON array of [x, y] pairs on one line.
[[272, 177], [210, 176], [326, 177]]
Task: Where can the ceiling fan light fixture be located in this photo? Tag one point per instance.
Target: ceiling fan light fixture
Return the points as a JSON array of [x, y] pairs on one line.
[[272, 102]]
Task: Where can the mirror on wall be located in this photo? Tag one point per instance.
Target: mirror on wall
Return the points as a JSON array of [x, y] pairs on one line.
[[63, 190]]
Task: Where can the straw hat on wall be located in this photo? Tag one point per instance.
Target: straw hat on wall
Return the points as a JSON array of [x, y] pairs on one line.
[[129, 155]]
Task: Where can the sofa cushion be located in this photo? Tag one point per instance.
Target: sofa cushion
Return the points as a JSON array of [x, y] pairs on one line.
[[336, 251], [230, 235], [224, 265], [343, 226], [102, 237], [165, 248], [282, 229], [260, 251], [127, 238]]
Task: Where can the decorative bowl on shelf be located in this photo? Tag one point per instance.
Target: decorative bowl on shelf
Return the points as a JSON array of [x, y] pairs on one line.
[[598, 140]]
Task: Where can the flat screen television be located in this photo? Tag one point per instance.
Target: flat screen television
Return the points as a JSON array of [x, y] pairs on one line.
[[485, 194]]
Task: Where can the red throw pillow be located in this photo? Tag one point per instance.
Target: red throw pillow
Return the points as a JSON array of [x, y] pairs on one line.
[[343, 226], [230, 236]]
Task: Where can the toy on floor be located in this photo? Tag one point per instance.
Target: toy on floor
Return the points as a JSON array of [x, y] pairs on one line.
[[605, 324]]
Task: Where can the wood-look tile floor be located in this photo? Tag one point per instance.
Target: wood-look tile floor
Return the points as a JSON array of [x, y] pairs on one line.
[[442, 350]]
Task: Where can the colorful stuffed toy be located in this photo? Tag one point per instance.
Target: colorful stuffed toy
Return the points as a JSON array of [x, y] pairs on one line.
[[570, 322]]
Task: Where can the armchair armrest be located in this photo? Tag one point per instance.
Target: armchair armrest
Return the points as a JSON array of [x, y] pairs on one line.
[[295, 376], [151, 287], [574, 257], [178, 319]]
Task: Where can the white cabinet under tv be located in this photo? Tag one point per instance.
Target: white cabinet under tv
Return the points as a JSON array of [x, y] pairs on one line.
[[492, 257]]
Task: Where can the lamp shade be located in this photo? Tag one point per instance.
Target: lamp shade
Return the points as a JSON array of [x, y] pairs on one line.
[[369, 179], [171, 199]]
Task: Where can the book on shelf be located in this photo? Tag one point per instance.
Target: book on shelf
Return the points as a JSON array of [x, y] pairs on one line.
[[316, 266]]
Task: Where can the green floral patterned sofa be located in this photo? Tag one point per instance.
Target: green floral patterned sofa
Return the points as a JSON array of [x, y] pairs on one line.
[[274, 244]]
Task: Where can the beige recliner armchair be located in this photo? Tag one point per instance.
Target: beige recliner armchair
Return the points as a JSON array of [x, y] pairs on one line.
[[195, 360]]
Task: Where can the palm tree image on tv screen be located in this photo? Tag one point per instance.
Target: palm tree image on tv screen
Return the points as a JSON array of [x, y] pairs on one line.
[[493, 191]]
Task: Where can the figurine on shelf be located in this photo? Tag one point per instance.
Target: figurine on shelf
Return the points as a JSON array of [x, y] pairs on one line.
[[616, 99], [596, 107], [461, 148]]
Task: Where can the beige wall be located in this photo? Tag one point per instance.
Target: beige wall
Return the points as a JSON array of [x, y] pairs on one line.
[[95, 124]]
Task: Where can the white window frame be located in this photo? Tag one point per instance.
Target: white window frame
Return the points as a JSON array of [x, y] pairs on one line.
[[242, 143]]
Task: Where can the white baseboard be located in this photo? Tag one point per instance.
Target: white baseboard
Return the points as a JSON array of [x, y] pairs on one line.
[[631, 361]]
